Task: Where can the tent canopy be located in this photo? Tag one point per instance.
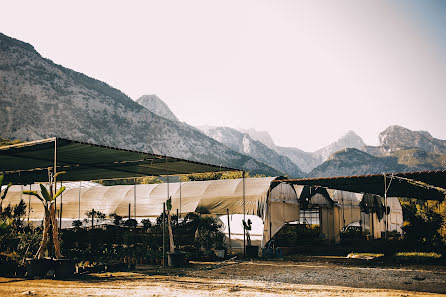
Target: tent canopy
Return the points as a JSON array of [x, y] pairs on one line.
[[423, 185], [28, 162]]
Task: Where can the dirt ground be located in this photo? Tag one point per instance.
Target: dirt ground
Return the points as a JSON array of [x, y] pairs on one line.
[[315, 277]]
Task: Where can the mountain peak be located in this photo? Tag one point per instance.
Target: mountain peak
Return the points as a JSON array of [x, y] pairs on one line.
[[348, 140], [157, 106], [262, 136], [397, 137], [11, 42]]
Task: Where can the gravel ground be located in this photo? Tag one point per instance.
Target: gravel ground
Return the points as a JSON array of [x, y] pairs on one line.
[[258, 278]]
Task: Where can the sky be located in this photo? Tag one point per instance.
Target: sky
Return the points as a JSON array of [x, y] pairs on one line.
[[307, 72]]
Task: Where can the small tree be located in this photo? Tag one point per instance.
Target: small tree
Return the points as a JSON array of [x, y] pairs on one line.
[[117, 219], [76, 224], [131, 223], [18, 212], [48, 199], [3, 192], [100, 216], [146, 224]]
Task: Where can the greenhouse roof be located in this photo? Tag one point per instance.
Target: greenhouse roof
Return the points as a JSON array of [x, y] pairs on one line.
[[28, 162], [424, 185]]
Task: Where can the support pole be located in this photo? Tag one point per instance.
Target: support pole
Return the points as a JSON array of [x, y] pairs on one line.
[[229, 231], [92, 218], [55, 157], [180, 199], [164, 232], [134, 198], [244, 217], [270, 218], [79, 202], [61, 202], [386, 188], [385, 204], [53, 178], [29, 203]]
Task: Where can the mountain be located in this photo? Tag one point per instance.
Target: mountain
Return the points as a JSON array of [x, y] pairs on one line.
[[307, 161], [400, 149], [40, 99], [262, 136], [243, 143], [349, 140], [397, 137], [304, 160], [351, 161], [420, 159], [157, 106]]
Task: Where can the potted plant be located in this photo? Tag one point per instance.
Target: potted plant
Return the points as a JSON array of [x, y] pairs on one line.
[[39, 265], [174, 258]]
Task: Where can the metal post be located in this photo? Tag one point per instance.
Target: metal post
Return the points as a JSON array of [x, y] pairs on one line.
[[29, 203], [134, 199], [180, 197], [55, 157], [168, 194], [164, 232], [61, 201], [92, 218], [129, 211], [270, 217], [244, 213], [229, 231], [343, 215], [79, 202], [385, 205]]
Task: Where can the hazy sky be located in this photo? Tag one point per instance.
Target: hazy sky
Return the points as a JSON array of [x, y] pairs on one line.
[[305, 71]]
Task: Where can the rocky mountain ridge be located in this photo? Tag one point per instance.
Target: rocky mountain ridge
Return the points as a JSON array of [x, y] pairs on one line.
[[243, 143], [40, 99], [399, 149], [397, 138], [157, 106], [307, 161], [351, 161]]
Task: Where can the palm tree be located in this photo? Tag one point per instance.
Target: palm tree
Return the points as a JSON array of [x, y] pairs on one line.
[[169, 225], [48, 199]]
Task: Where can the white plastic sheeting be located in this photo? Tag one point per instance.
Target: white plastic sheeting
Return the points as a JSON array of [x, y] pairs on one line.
[[146, 200], [235, 221], [216, 196], [283, 207]]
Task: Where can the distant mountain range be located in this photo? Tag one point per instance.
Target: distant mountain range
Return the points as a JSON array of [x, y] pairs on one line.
[[243, 143], [40, 99]]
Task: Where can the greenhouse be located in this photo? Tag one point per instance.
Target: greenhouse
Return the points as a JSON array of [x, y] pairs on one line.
[[217, 197], [268, 202]]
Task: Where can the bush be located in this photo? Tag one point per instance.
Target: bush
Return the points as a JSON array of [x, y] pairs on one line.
[[421, 227]]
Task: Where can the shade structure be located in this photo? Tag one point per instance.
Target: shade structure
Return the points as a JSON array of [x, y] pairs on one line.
[[423, 185], [28, 162]]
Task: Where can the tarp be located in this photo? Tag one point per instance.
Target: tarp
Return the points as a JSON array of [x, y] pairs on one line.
[[26, 163]]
